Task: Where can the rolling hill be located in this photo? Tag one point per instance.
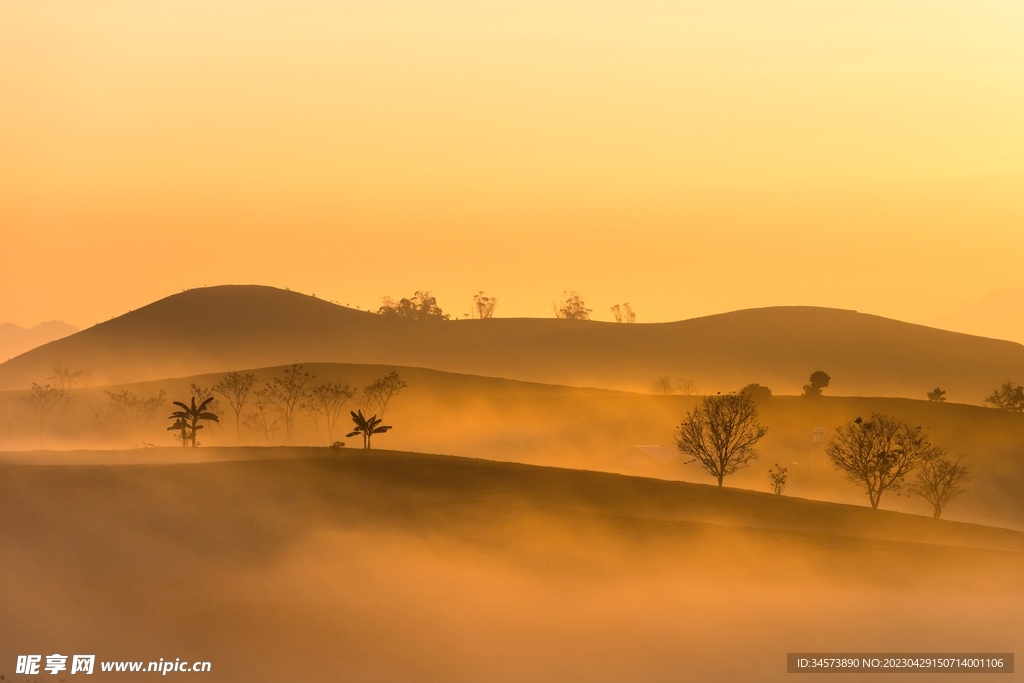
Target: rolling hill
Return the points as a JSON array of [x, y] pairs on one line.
[[584, 428], [232, 327], [391, 566]]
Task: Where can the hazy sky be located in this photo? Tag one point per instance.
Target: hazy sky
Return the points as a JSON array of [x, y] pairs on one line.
[[687, 157]]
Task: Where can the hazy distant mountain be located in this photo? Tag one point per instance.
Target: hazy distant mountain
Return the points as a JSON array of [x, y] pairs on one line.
[[999, 315], [15, 340], [223, 328]]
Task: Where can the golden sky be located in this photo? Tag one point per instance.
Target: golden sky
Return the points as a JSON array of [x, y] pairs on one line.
[[687, 157]]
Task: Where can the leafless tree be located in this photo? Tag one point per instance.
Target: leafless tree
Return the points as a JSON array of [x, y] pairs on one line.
[[43, 400], [879, 453], [721, 434], [778, 479], [571, 307], [686, 387], [623, 313], [663, 386], [286, 394], [940, 480], [126, 414], [235, 388], [324, 405], [379, 393], [1009, 396], [264, 418], [483, 306]]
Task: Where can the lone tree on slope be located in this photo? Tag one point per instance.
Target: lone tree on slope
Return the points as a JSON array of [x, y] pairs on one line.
[[188, 418], [939, 481], [819, 380], [366, 427], [938, 396], [1009, 396], [879, 453], [721, 434]]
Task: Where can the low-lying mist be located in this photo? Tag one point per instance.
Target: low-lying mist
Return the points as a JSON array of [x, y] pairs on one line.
[[385, 567]]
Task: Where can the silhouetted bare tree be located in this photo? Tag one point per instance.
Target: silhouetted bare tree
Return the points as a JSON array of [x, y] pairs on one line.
[[126, 413], [286, 394], [939, 395], [1009, 396], [43, 400], [379, 393], [366, 427], [778, 479], [571, 307], [623, 313], [940, 480], [819, 380], [188, 418], [663, 386], [324, 405], [235, 388], [483, 306], [721, 434], [263, 418], [420, 306], [879, 453]]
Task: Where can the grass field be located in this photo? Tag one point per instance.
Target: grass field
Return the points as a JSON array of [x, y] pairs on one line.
[[388, 566]]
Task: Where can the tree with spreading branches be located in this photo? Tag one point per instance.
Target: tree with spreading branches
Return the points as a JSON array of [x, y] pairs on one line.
[[721, 433], [1009, 397], [287, 394], [324, 405], [940, 480], [378, 394], [366, 427], [879, 453], [235, 388], [188, 418], [43, 400]]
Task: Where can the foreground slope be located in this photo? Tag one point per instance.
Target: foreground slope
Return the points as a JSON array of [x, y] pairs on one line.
[[391, 566], [231, 327]]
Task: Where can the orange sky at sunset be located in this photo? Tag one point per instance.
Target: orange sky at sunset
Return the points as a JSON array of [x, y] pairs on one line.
[[687, 157]]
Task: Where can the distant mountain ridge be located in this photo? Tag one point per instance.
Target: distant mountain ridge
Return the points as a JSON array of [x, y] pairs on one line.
[[236, 326], [16, 340]]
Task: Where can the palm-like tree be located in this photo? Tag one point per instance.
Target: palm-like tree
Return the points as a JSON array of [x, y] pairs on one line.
[[366, 427], [187, 419]]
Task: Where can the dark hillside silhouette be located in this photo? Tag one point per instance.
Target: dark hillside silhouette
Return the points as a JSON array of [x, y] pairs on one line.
[[254, 326]]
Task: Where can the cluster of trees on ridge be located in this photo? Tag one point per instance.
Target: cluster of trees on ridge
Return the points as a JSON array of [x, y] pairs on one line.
[[879, 454], [422, 305], [274, 409]]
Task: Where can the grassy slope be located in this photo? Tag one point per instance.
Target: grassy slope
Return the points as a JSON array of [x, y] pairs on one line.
[[233, 327], [396, 566], [600, 429]]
